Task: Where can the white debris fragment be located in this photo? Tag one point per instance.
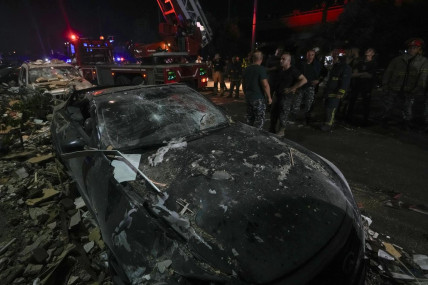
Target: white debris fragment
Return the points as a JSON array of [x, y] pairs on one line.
[[384, 255], [369, 247], [283, 171], [79, 203], [212, 191], [163, 265], [280, 155], [122, 240], [247, 164], [224, 207], [13, 89], [157, 158], [74, 220], [221, 175], [253, 156], [22, 173], [146, 277], [259, 239], [235, 253], [122, 172], [87, 247], [421, 260], [367, 219]]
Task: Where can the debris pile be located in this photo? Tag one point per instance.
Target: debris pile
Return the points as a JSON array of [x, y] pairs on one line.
[[389, 263], [48, 235]]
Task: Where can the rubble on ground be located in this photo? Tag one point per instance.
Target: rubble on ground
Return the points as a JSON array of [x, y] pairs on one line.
[[390, 264], [48, 236]]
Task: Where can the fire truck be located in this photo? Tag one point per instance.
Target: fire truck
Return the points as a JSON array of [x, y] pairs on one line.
[[184, 32]]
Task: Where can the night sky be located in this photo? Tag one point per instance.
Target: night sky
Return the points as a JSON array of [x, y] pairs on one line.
[[36, 28]]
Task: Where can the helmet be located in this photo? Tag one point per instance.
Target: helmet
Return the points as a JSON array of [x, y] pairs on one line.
[[338, 52], [418, 42]]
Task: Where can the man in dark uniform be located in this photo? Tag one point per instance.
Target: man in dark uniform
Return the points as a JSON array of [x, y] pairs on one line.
[[218, 73], [289, 80], [235, 73], [337, 85], [256, 87], [363, 80], [311, 69], [273, 66]]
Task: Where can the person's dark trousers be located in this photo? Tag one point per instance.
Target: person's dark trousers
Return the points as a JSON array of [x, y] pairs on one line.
[[274, 114], [366, 96], [234, 84], [405, 103]]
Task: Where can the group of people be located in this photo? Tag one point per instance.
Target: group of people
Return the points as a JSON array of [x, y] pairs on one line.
[[231, 69], [290, 85]]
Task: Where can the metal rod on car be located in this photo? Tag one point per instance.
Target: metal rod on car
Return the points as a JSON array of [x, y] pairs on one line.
[[116, 153]]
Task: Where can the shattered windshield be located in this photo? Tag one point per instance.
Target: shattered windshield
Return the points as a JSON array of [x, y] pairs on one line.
[[51, 73], [151, 116]]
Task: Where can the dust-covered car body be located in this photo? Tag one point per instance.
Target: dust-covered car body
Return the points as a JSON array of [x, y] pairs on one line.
[[184, 196], [53, 77]]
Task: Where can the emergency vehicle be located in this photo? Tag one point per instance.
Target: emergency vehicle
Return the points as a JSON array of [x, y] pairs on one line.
[[172, 60]]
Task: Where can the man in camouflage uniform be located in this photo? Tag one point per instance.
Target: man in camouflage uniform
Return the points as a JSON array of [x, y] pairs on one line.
[[337, 85], [311, 69], [256, 87], [289, 80], [405, 79]]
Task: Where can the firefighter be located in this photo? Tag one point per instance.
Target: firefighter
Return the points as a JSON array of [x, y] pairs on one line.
[[337, 85], [405, 79]]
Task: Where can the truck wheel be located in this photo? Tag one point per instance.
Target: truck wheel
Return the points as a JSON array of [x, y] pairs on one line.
[[138, 80], [122, 80]]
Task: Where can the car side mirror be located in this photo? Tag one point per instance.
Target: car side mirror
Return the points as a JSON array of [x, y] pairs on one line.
[[76, 144]]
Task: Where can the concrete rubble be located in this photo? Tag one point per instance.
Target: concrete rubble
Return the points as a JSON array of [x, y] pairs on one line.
[[48, 235], [389, 263]]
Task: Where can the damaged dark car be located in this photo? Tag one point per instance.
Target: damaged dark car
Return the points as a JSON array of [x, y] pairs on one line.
[[184, 196]]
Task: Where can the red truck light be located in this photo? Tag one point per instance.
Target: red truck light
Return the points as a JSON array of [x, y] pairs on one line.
[[204, 79]]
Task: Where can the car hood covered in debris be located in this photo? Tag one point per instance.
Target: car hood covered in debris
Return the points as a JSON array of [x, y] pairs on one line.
[[246, 204]]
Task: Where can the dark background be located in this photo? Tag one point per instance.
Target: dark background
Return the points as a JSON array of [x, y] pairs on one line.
[[36, 29]]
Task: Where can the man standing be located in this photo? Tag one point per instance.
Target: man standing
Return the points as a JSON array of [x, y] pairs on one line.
[[289, 80], [362, 81], [218, 70], [273, 66], [235, 73], [311, 69], [338, 82], [404, 79], [256, 87]]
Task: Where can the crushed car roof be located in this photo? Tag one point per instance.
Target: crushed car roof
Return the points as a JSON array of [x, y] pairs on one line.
[[52, 62]]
